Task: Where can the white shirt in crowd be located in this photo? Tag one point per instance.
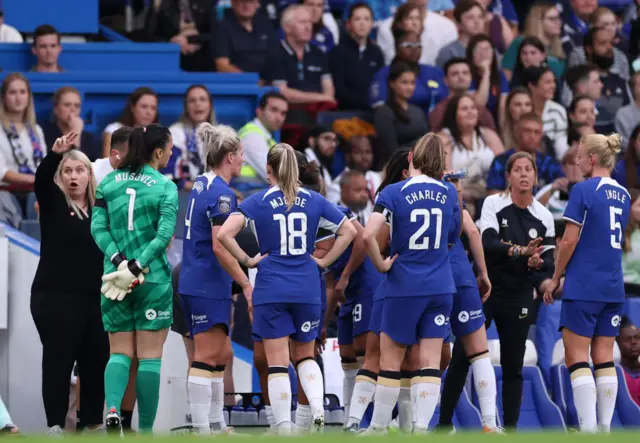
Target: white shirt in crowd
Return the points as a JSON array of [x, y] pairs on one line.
[[373, 183], [101, 168], [113, 127], [438, 32], [7, 157], [556, 126], [9, 34], [326, 176]]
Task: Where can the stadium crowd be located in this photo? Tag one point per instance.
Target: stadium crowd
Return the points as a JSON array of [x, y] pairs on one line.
[[492, 78]]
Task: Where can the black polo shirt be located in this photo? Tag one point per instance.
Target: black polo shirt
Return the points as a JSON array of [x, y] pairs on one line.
[[246, 50], [283, 67], [615, 95]]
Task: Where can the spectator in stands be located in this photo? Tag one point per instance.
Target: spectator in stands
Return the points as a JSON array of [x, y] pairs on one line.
[[576, 20], [188, 24], [355, 61], [457, 77], [518, 104], [532, 52], [354, 194], [119, 148], [22, 142], [627, 170], [437, 32], [497, 28], [323, 38], [555, 196], [6, 424], [582, 113], [257, 136], [470, 21], [8, 34], [598, 49], [607, 19], [528, 138], [634, 42], [629, 344], [322, 144], [383, 9], [141, 110], [488, 81], [544, 22], [300, 71], [408, 18], [67, 105], [243, 39], [582, 80], [359, 156], [542, 84], [198, 108], [46, 47], [64, 304], [631, 245], [469, 145], [398, 122], [429, 88], [628, 116]]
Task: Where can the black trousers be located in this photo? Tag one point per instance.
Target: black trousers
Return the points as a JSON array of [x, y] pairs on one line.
[[512, 323], [71, 330]]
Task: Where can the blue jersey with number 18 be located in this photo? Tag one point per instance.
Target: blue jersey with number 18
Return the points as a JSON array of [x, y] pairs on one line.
[[288, 274], [424, 216], [600, 206], [210, 203]]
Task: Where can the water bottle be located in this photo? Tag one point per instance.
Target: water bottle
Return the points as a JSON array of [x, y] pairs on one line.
[[458, 174]]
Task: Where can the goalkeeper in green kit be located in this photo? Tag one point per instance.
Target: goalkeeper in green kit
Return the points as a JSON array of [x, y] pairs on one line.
[[133, 222]]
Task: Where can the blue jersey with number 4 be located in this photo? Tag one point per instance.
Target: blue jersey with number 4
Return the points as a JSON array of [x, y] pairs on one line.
[[600, 206], [288, 274], [210, 203], [424, 216]]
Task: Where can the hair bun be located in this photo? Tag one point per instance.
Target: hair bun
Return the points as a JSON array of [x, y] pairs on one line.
[[204, 128], [613, 142]]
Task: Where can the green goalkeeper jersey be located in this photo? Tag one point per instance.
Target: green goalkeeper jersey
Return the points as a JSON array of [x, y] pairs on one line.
[[135, 215]]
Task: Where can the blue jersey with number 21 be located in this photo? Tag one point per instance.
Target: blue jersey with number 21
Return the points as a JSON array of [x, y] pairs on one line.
[[287, 275], [424, 216], [601, 207]]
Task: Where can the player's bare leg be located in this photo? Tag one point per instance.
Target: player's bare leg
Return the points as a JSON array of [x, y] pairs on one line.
[[129, 399], [262, 367], [206, 387], [311, 380], [149, 346], [365, 387], [116, 376], [606, 380], [428, 382], [409, 369], [445, 356], [576, 355], [484, 377]]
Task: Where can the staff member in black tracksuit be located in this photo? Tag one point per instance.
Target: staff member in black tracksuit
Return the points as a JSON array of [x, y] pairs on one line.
[[518, 237]]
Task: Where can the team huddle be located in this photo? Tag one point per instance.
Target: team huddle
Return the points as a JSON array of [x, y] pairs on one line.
[[403, 281]]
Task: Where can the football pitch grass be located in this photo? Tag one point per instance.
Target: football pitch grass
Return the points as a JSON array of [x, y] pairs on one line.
[[336, 436]]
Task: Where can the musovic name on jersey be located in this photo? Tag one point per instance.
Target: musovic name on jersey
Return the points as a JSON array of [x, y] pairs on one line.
[[280, 201], [426, 194], [143, 178]]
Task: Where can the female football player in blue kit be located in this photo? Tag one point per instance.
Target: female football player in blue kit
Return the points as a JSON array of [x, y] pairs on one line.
[[593, 294], [419, 284], [206, 276], [285, 219]]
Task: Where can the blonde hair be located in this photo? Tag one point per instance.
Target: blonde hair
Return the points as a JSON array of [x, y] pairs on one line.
[[29, 116], [217, 142], [284, 166], [90, 194], [606, 147], [429, 156], [533, 27]]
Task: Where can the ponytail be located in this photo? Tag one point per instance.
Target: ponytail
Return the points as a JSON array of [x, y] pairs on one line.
[[217, 142], [142, 144], [284, 166]]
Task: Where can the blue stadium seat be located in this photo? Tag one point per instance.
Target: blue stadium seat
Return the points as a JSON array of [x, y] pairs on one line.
[[30, 209], [31, 228], [626, 415], [537, 410], [632, 309], [546, 337]]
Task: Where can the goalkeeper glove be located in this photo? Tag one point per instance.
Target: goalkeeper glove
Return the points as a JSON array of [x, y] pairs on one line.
[[128, 275], [112, 292]]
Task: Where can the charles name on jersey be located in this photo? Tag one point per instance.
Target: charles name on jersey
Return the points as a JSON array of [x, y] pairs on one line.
[[143, 178], [426, 194]]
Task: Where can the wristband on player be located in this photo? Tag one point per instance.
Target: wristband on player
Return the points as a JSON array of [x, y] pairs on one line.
[[134, 267], [117, 258], [516, 251]]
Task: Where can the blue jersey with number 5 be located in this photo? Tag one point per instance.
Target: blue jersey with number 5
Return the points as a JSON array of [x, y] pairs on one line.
[[210, 203], [288, 274], [600, 206], [424, 216]]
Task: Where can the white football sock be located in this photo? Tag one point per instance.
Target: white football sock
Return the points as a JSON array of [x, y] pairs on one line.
[[303, 418], [269, 412], [484, 380], [386, 397], [216, 415], [427, 396], [584, 397], [405, 406], [199, 394], [363, 392], [606, 393], [311, 380], [280, 398], [350, 370]]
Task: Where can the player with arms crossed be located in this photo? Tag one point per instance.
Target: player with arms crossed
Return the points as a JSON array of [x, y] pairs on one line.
[[419, 285], [286, 298], [132, 223], [593, 294], [206, 276]]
